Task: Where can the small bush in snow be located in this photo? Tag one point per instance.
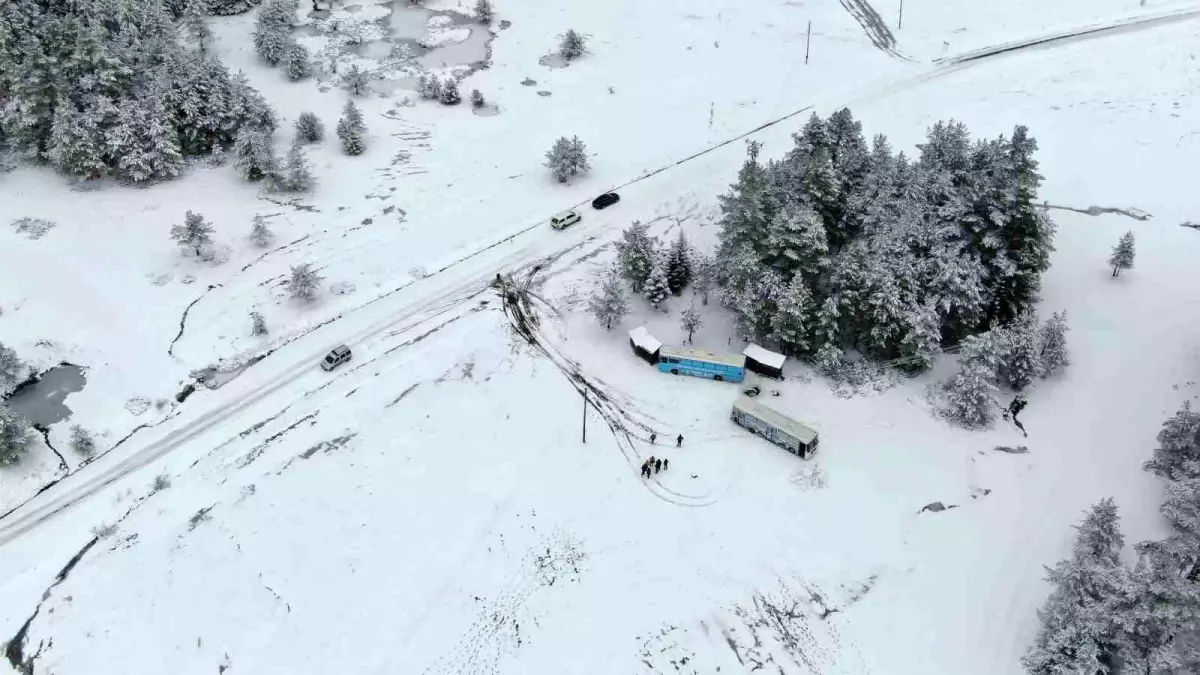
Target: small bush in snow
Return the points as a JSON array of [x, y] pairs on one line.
[[260, 234], [103, 531], [15, 436], [309, 128], [194, 234], [160, 404], [477, 100], [429, 87], [608, 302], [254, 156], [567, 158], [572, 45], [352, 130], [355, 79], [258, 325], [82, 442], [217, 156], [299, 62], [161, 482], [1053, 341], [297, 176], [12, 369], [483, 12], [304, 282], [970, 395], [690, 322], [1122, 254], [450, 95]]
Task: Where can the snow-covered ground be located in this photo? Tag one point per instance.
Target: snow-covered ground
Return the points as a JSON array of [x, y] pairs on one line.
[[430, 508]]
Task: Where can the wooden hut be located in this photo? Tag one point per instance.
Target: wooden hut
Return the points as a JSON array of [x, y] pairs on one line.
[[764, 361], [644, 345]]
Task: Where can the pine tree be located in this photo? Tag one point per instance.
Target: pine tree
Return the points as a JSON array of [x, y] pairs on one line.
[[309, 128], [258, 325], [797, 241], [450, 95], [703, 276], [12, 369], [1022, 361], [76, 146], [658, 288], [230, 7], [297, 176], [81, 441], [1028, 233], [145, 141], [791, 324], [1053, 341], [260, 234], [254, 155], [272, 33], [477, 100], [679, 264], [356, 79], [745, 211], [352, 130], [483, 12], [195, 23], [921, 337], [304, 282], [636, 252], [572, 45], [690, 321], [1156, 615], [429, 87], [1177, 456], [298, 61], [608, 302], [194, 234], [15, 436], [1122, 255], [567, 158], [970, 395], [1078, 620]]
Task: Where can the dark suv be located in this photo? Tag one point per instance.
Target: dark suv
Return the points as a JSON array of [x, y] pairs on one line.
[[605, 200]]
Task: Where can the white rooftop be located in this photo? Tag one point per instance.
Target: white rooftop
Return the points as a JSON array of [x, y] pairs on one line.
[[644, 340], [764, 356]]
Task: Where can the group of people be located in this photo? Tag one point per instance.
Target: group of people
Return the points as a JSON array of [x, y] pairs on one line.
[[653, 464]]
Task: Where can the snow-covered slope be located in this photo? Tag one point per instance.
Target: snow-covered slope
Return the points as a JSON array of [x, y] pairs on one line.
[[432, 509]]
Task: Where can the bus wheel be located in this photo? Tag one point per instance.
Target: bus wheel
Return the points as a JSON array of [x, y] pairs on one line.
[[674, 371], [718, 378]]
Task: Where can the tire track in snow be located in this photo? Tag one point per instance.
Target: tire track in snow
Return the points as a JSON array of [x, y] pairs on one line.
[[874, 26], [218, 414]]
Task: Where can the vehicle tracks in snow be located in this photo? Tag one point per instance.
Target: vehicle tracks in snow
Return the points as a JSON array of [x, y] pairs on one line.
[[874, 26]]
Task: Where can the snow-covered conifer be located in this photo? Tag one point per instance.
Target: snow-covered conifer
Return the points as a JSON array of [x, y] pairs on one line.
[[704, 275], [297, 175], [76, 147], [260, 234], [920, 338], [304, 282], [608, 302], [797, 242], [429, 87], [352, 130], [483, 11], [145, 141], [230, 7], [572, 45], [450, 95], [272, 32], [15, 436], [1022, 362], [1053, 344], [567, 158], [791, 323], [195, 23], [298, 61], [12, 369], [970, 395], [1158, 614], [1177, 456], [1122, 254], [254, 155], [82, 441], [744, 211], [477, 100], [194, 234], [309, 128], [679, 263], [356, 79], [658, 288], [636, 252], [690, 321], [248, 106], [258, 324]]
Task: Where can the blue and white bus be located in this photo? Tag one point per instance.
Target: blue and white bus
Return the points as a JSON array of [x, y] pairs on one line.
[[702, 363]]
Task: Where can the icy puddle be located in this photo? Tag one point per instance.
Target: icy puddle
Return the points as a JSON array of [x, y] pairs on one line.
[[41, 401]]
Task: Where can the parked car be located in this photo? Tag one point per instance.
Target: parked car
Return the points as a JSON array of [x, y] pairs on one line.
[[336, 357], [564, 220], [605, 200]]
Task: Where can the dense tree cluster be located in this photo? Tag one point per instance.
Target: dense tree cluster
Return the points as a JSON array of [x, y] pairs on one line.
[[841, 245], [1107, 617], [104, 87]]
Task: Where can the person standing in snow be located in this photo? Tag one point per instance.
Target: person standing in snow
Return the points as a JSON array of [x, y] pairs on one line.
[[666, 462], [646, 469], [653, 437], [1018, 404], [657, 465], [679, 441]]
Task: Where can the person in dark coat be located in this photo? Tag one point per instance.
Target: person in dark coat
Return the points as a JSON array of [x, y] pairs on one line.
[[653, 437], [657, 465], [646, 469], [1018, 404], [679, 441], [666, 463]]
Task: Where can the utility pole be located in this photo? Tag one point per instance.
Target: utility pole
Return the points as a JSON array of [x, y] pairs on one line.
[[585, 402], [807, 42], [900, 21]]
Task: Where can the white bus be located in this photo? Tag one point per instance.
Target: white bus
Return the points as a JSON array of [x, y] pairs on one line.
[[776, 427]]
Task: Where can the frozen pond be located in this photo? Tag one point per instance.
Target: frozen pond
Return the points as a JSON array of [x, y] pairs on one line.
[[42, 401]]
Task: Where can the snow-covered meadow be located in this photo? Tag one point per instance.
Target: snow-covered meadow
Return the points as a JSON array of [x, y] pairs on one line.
[[431, 508]]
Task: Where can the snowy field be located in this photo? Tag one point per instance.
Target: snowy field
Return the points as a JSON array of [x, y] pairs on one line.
[[431, 508]]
